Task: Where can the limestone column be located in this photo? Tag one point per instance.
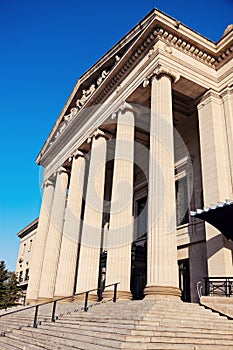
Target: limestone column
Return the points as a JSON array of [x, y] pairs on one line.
[[120, 235], [88, 268], [52, 250], [215, 177], [66, 274], [162, 268], [40, 242]]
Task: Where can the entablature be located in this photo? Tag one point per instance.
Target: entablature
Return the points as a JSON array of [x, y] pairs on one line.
[[137, 52]]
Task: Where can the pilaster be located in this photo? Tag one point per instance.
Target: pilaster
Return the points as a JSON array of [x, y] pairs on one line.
[[215, 176], [227, 98]]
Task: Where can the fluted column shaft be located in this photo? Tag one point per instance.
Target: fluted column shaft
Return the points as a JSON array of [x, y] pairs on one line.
[[52, 250], [40, 242], [215, 177], [120, 234], [71, 233], [162, 269], [88, 268]]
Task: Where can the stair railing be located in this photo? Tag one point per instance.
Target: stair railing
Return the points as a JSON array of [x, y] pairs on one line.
[[54, 302], [220, 286]]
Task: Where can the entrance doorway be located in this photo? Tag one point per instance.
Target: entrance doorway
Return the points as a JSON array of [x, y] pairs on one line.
[[139, 251], [184, 279]]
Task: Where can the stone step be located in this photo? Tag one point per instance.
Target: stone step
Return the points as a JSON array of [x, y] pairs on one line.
[[188, 322], [196, 317], [95, 320], [93, 337], [146, 325], [4, 344], [180, 340], [144, 330], [166, 346], [86, 329], [179, 327], [59, 343], [20, 343]]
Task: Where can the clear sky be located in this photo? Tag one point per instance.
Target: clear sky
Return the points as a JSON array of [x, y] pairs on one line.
[[45, 46]]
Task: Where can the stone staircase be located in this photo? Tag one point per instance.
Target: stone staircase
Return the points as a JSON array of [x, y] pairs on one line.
[[145, 324], [223, 305]]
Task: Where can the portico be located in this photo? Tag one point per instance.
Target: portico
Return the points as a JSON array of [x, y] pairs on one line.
[[136, 129]]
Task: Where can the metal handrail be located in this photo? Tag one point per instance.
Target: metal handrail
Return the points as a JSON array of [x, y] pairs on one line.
[[53, 318], [219, 285]]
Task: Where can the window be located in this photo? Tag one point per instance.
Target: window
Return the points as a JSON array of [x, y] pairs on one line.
[[182, 201], [141, 216], [21, 276], [30, 245], [27, 275], [24, 248]]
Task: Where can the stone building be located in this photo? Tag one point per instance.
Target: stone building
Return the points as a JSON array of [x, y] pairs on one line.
[[145, 138], [23, 265]]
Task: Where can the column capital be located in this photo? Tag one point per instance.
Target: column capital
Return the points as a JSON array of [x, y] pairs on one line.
[[227, 91], [48, 182], [96, 134], [124, 106], [76, 154], [208, 97], [60, 170], [160, 71]]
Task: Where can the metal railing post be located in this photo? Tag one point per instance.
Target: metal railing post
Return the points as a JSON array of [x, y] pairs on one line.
[[86, 301], [115, 293], [35, 317], [54, 310], [206, 286]]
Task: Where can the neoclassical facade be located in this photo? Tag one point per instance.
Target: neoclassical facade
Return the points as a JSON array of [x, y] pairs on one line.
[[145, 137]]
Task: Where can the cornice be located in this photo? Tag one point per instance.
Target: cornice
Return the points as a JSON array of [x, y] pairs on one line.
[[28, 229], [210, 57], [110, 80]]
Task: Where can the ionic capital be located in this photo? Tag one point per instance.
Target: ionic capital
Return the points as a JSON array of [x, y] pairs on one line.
[[96, 134], [160, 71], [124, 106], [60, 170], [76, 154], [48, 182]]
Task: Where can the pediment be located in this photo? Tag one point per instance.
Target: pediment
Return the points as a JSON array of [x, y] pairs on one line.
[[91, 81], [103, 77]]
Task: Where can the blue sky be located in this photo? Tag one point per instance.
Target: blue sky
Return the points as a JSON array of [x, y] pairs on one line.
[[45, 46]]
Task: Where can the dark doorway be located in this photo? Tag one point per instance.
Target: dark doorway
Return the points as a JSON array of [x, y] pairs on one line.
[[139, 251], [184, 279], [102, 273]]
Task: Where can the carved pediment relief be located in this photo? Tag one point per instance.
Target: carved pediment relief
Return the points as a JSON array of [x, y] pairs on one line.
[[108, 73]]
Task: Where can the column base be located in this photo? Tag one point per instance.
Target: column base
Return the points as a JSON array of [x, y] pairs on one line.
[[31, 302], [162, 293], [66, 300], [81, 297], [44, 300], [121, 295]]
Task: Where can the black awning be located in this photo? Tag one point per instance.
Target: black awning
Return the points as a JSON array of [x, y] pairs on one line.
[[220, 216]]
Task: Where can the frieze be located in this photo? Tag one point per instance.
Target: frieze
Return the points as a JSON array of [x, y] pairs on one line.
[[170, 39]]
